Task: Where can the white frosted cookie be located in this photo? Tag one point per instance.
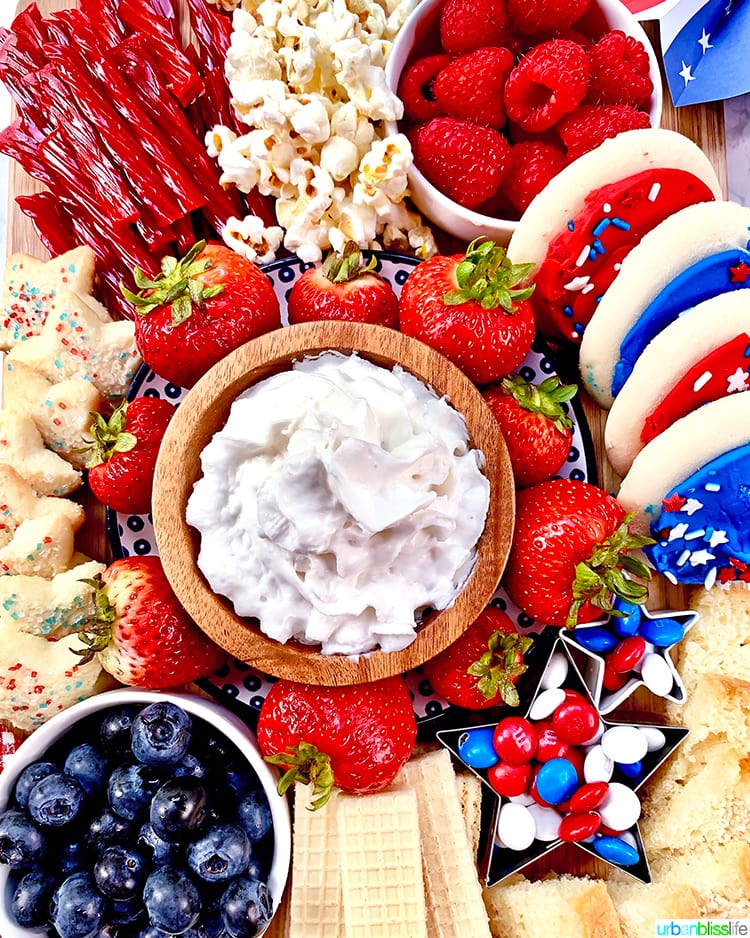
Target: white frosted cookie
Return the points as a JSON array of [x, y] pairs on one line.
[[62, 412], [22, 447], [40, 547], [75, 343], [702, 355], [692, 236], [30, 288]]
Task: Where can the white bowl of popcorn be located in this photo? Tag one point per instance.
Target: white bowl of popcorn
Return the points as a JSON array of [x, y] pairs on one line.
[[497, 216]]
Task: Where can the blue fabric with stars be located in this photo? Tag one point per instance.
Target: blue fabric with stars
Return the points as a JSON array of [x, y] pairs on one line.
[[710, 529]]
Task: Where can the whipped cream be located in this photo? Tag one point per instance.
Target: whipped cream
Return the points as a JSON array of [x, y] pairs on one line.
[[339, 502]]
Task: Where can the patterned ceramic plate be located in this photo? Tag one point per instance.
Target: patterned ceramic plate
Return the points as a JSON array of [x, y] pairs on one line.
[[133, 534]]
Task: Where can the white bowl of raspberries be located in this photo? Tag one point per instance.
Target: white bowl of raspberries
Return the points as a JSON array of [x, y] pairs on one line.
[[499, 95], [141, 813]]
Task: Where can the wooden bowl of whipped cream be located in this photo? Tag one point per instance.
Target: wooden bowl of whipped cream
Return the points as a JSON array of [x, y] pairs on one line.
[[297, 474]]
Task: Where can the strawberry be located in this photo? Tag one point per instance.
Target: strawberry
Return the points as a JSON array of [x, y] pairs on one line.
[[466, 25], [342, 288], [536, 428], [480, 669], [122, 457], [471, 86], [142, 635], [464, 161], [471, 309], [571, 552], [198, 309], [355, 738]]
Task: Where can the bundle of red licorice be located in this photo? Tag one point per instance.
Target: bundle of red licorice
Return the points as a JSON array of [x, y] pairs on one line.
[[112, 111]]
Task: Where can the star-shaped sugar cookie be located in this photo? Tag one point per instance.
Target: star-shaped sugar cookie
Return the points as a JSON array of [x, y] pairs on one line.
[[40, 547], [19, 503], [22, 448], [30, 288], [62, 412], [75, 343]]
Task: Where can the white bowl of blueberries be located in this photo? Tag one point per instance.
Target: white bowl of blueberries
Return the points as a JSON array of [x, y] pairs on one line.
[[139, 814]]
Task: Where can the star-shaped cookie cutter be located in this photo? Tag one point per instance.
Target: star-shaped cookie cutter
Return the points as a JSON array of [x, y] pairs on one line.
[[497, 862], [591, 664]]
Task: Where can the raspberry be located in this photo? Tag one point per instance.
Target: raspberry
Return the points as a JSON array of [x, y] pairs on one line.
[[532, 166], [464, 161], [547, 84], [544, 16], [471, 87], [415, 88], [466, 25], [619, 71], [591, 124]]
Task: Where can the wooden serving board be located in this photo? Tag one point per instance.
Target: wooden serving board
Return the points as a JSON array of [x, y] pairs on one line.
[[703, 124]]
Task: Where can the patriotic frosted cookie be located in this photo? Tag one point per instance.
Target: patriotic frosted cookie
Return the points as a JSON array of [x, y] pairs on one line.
[[701, 356], [697, 253], [585, 221], [689, 489]]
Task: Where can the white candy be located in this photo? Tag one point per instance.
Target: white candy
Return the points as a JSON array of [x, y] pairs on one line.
[[656, 674], [597, 766], [597, 735], [621, 807], [555, 672], [524, 798], [655, 739], [547, 822], [546, 703], [625, 744], [516, 827], [629, 839]]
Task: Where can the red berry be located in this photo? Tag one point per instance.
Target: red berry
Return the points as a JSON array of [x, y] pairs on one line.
[[575, 721], [510, 780], [466, 25], [532, 166], [619, 71], [588, 797], [592, 124], [464, 161], [549, 745], [471, 86], [515, 740], [627, 654], [575, 827], [547, 84], [544, 16], [416, 88]]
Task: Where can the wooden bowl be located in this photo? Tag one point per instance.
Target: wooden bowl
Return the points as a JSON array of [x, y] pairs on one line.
[[204, 410]]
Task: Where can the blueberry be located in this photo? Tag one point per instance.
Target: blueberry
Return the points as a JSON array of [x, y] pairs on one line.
[[108, 828], [172, 900], [126, 912], [78, 909], [256, 868], [221, 854], [56, 800], [246, 907], [120, 872], [22, 844], [114, 730], [161, 734], [190, 765], [161, 851], [29, 777], [254, 815], [211, 748], [89, 766], [131, 788], [31, 898], [178, 808], [73, 856]]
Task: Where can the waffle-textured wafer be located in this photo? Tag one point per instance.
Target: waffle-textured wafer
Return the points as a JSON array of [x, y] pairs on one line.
[[452, 890], [381, 865], [469, 789], [315, 907]]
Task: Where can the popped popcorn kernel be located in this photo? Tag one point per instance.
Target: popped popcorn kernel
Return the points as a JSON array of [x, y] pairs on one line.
[[251, 238]]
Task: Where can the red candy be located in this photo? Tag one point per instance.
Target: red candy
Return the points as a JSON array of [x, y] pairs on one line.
[[613, 680], [575, 721], [549, 746], [575, 827], [534, 792], [515, 740], [510, 780], [627, 654], [588, 797], [576, 757]]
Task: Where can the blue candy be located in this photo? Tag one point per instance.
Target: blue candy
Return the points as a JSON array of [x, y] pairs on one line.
[[476, 749], [596, 639], [662, 632], [631, 769], [627, 625], [556, 780], [615, 850]]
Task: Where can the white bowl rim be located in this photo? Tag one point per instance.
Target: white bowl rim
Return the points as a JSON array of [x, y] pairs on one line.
[[217, 716]]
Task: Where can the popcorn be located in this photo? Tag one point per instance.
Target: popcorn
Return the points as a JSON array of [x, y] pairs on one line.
[[307, 78]]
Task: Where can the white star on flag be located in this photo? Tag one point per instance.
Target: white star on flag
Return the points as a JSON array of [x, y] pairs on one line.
[[737, 381], [703, 41], [686, 73]]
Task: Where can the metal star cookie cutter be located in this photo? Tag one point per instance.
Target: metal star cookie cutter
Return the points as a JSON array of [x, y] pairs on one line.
[[591, 664], [496, 862]]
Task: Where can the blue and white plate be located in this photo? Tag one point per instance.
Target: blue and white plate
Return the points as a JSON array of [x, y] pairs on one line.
[[133, 534]]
